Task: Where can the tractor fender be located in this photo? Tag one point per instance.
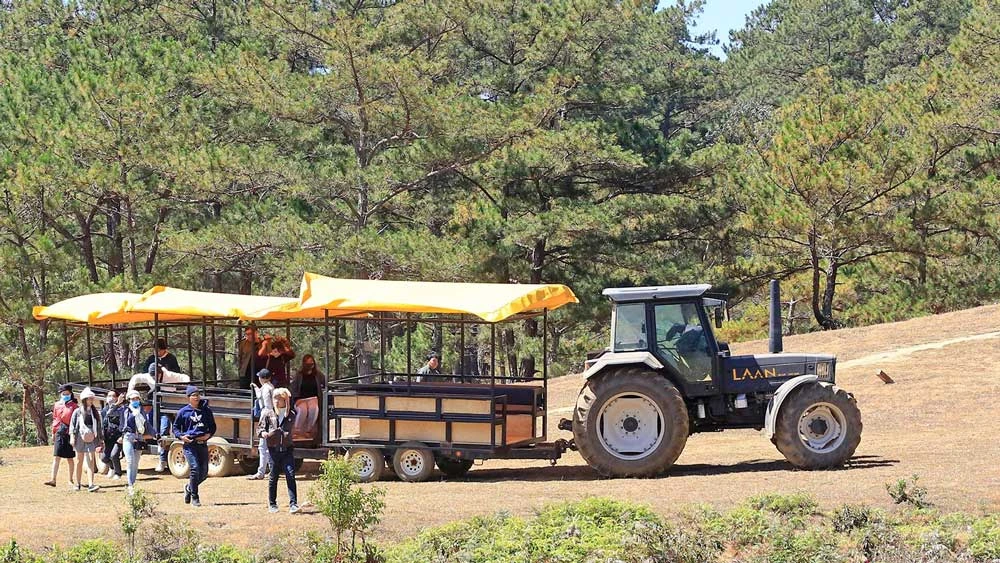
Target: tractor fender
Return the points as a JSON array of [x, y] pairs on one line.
[[622, 358], [774, 407]]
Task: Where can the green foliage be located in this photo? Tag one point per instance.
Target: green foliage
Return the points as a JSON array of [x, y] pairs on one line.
[[92, 551], [139, 506], [984, 544], [11, 552], [854, 517], [798, 504], [907, 491], [350, 508]]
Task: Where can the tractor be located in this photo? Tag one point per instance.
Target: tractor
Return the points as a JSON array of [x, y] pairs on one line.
[[665, 377]]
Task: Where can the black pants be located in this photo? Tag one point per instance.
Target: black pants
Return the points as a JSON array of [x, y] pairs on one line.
[[112, 454], [282, 462]]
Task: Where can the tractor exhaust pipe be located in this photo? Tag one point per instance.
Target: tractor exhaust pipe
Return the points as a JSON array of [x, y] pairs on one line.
[[774, 330]]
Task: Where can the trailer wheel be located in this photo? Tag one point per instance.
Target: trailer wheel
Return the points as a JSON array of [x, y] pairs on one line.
[[176, 461], [630, 422], [413, 462], [453, 467], [220, 458], [370, 463], [249, 464], [818, 427]]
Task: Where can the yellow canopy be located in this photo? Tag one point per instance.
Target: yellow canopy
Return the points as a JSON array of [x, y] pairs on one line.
[[96, 308], [491, 302], [170, 301]]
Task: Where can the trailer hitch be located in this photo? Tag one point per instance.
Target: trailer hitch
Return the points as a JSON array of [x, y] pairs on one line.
[[565, 424]]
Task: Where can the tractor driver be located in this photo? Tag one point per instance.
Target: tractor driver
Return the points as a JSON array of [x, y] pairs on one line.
[[691, 344]]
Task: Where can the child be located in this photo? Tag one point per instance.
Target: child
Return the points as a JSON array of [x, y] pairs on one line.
[[265, 401]]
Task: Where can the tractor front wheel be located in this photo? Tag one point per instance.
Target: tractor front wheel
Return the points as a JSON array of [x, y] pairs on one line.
[[630, 422], [818, 427]]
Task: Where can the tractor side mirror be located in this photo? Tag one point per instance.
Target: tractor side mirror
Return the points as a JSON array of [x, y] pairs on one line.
[[718, 317]]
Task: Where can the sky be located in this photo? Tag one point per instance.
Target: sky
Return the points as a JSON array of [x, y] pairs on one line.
[[722, 16]]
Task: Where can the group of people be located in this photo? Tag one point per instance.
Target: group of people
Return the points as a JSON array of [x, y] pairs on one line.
[[120, 430]]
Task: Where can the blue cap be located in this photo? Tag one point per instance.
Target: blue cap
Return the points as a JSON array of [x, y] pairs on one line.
[[264, 374], [152, 369], [191, 390]]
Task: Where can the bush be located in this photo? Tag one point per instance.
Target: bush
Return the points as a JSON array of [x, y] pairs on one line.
[[13, 553], [92, 551], [853, 517], [170, 540], [906, 491], [797, 504], [350, 508], [984, 543]]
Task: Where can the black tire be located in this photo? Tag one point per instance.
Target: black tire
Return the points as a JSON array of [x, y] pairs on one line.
[[813, 398], [249, 464], [453, 468], [630, 382], [413, 462]]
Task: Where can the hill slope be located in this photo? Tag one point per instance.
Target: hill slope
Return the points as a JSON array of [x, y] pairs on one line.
[[937, 421]]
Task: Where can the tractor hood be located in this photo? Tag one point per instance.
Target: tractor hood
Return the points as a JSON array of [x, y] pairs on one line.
[[766, 372]]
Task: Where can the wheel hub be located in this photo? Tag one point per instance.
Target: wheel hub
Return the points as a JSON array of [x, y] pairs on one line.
[[630, 426], [822, 428], [412, 462]]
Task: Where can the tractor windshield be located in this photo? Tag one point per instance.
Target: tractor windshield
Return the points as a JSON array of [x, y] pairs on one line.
[[629, 327]]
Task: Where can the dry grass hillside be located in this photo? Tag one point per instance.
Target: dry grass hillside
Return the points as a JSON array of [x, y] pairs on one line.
[[937, 421]]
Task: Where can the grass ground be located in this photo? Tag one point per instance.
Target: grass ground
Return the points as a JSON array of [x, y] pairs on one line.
[[938, 421]]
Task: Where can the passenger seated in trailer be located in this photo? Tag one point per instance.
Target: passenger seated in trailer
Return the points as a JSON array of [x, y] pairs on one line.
[[305, 388], [165, 357], [431, 370]]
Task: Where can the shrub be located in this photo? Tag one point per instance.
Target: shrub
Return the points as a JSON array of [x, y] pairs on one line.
[[13, 553], [350, 508], [797, 504], [138, 507], [853, 517], [170, 540], [984, 543], [810, 546], [92, 551], [907, 491]]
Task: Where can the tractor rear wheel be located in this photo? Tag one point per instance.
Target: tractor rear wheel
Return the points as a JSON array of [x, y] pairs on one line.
[[630, 422], [818, 427]]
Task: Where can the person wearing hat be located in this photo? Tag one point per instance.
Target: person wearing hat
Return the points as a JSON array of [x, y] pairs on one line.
[[276, 428], [87, 437], [194, 426], [136, 428], [265, 402], [431, 371], [62, 414]]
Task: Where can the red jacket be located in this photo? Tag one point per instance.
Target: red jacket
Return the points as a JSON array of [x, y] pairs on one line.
[[62, 413]]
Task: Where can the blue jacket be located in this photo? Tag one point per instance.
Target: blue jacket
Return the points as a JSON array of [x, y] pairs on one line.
[[128, 426], [194, 422]]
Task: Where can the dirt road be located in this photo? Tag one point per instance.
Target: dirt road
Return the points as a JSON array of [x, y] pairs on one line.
[[938, 421]]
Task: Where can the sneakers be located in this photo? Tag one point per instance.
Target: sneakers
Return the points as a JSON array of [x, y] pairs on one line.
[[74, 487], [111, 473], [116, 477], [195, 501], [131, 490], [159, 466], [93, 488], [256, 477], [293, 509], [187, 494], [273, 508]]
